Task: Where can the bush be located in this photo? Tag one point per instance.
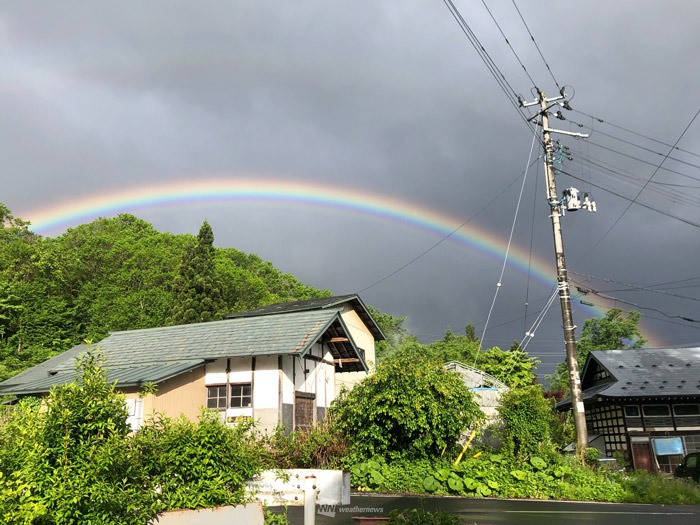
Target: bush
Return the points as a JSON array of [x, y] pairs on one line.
[[72, 462], [70, 459], [527, 420], [322, 446], [409, 408], [203, 464], [645, 487]]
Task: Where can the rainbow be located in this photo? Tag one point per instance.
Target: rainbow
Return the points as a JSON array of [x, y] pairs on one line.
[[53, 219]]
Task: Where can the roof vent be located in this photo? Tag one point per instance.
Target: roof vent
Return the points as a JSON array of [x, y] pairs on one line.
[[680, 386], [653, 366], [629, 382], [670, 364], [687, 364], [682, 381], [664, 382], [642, 387], [625, 388], [661, 387], [52, 372], [646, 382], [636, 366]]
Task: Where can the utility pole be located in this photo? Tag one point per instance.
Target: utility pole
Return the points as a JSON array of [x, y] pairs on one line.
[[555, 205]]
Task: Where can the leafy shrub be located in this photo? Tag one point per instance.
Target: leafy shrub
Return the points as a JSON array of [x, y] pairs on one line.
[[70, 459], [73, 462], [276, 518], [591, 456], [409, 408], [322, 446], [527, 418], [203, 464]]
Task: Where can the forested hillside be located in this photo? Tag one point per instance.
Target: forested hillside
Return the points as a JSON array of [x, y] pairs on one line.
[[119, 274]]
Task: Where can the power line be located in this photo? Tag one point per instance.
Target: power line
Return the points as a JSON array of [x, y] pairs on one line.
[[450, 234], [585, 290], [538, 47], [629, 142], [637, 133], [645, 185], [488, 61], [634, 287], [632, 201], [509, 44]]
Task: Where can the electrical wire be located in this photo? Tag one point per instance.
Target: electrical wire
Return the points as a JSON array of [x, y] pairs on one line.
[[636, 133], [630, 143], [522, 347], [450, 234], [585, 290], [509, 44], [632, 201], [497, 74], [510, 240], [538, 47], [532, 237], [635, 287]]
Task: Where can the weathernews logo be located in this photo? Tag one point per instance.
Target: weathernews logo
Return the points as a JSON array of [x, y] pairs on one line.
[[331, 510]]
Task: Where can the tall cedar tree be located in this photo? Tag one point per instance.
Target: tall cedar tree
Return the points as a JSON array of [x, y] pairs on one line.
[[197, 290]]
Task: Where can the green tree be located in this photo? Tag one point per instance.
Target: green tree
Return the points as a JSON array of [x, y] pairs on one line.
[[527, 418], [409, 408], [395, 332], [616, 330], [514, 368], [197, 290]]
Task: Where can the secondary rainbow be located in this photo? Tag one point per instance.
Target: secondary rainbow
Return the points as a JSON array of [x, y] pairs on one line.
[[385, 208]]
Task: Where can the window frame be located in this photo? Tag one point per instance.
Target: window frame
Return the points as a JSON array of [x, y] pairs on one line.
[[228, 396], [218, 397], [241, 396], [667, 407]]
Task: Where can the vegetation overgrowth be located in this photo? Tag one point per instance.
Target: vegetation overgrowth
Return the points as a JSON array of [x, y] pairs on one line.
[[71, 459]]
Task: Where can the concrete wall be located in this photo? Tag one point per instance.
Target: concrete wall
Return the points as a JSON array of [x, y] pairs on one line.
[[249, 514]]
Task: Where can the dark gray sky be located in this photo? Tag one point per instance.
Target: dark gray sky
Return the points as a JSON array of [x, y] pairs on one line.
[[390, 101]]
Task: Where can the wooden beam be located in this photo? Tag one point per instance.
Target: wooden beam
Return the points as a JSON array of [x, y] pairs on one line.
[[338, 340], [346, 360]]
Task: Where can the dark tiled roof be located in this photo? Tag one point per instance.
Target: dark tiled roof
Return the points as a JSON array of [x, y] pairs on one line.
[[646, 372], [321, 303], [155, 354], [649, 372]]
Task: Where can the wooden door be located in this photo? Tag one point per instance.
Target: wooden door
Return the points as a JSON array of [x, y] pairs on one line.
[[641, 456], [304, 410]]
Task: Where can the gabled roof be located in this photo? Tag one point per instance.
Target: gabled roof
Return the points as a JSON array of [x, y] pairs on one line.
[[156, 354], [321, 303], [645, 372]]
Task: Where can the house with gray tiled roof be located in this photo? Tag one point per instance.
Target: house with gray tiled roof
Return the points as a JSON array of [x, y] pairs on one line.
[[281, 365], [643, 403]]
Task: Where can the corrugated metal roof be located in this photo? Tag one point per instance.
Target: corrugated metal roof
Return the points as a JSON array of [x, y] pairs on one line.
[[155, 354]]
